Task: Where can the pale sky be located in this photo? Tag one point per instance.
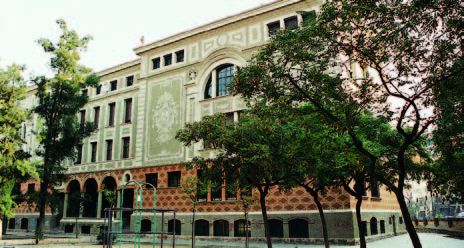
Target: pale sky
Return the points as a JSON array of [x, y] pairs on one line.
[[116, 26]]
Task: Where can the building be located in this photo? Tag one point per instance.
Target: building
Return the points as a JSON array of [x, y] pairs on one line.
[[142, 103]]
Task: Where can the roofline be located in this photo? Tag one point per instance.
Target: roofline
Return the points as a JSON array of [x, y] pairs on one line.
[[119, 67], [216, 24]]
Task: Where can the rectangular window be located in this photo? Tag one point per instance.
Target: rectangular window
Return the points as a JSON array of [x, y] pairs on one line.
[[96, 117], [125, 147], [128, 110], [167, 59], [129, 81], [216, 191], [231, 193], [93, 157], [85, 91], [79, 154], [114, 85], [291, 22], [31, 188], [152, 178], [111, 107], [202, 194], [273, 27], [109, 150], [230, 118], [174, 179], [156, 63], [180, 56], [98, 89], [82, 112], [375, 189], [308, 17]]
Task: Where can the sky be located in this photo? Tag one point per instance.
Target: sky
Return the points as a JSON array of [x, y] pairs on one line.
[[115, 25]]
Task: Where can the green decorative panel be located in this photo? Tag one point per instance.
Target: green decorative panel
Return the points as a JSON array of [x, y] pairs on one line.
[[222, 105], [164, 116]]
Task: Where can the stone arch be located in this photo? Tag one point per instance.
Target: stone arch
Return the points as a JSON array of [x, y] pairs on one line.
[[240, 229], [373, 225], [108, 184], [145, 226], [90, 198], [298, 228], [201, 227], [74, 198], [171, 226], [221, 228], [12, 224], [276, 228]]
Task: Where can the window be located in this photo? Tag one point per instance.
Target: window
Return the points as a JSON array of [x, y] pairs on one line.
[[375, 189], [201, 228], [225, 74], [360, 186], [216, 191], [374, 230], [114, 85], [109, 150], [240, 228], [180, 56], [31, 188], [93, 157], [174, 179], [308, 16], [298, 228], [98, 89], [201, 194], [12, 224], [167, 59], [111, 116], [129, 81], [221, 228], [291, 22], [125, 147], [382, 226], [231, 192], [24, 223], [152, 178], [79, 154], [276, 228], [96, 116], [401, 220], [156, 63], [145, 226], [174, 225], [128, 111], [273, 27], [82, 112], [208, 89]]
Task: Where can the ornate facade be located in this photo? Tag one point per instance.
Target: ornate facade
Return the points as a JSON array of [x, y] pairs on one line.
[[142, 103]]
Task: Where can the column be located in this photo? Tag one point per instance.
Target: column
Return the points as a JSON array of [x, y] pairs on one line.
[[81, 209], [99, 204], [65, 205]]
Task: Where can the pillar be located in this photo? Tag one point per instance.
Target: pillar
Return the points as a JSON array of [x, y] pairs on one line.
[[81, 209], [99, 204], [65, 205]]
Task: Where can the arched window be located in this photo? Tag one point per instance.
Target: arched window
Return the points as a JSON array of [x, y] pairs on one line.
[[12, 224], [374, 230], [221, 228], [382, 226], [74, 198], [276, 228], [298, 228], [24, 223], [171, 226], [201, 228], [240, 228], [91, 198], [145, 226], [219, 79]]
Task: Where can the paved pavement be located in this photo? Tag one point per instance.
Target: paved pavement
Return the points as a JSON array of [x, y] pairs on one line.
[[429, 240]]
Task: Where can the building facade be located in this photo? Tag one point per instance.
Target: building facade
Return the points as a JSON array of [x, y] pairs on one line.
[[142, 103]]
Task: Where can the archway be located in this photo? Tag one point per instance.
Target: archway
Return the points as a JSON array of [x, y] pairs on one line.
[[171, 226], [90, 198], [12, 224], [24, 223], [382, 226], [145, 226], [240, 229], [221, 228], [298, 228], [108, 188], [201, 228], [374, 230], [74, 198], [276, 228]]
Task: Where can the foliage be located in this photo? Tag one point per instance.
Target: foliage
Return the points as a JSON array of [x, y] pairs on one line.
[[60, 98], [14, 162], [192, 186]]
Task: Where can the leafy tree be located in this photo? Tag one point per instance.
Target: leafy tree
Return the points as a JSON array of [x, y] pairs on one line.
[[255, 152], [192, 187], [60, 98], [14, 162], [381, 56]]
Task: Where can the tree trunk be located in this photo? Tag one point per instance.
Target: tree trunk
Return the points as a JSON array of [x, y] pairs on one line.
[[262, 201], [323, 222], [193, 227], [407, 220], [362, 236], [42, 207]]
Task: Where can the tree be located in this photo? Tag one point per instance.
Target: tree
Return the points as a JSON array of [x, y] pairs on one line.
[[14, 162], [193, 187], [255, 152], [60, 98], [381, 56]]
